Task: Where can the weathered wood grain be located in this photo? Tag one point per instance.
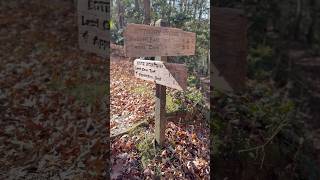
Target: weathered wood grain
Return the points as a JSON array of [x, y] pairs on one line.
[[160, 102], [143, 40]]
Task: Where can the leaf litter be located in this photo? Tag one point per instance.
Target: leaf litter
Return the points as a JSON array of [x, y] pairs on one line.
[[48, 129]]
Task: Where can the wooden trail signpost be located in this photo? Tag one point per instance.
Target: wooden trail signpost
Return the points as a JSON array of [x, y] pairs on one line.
[[94, 26], [159, 41]]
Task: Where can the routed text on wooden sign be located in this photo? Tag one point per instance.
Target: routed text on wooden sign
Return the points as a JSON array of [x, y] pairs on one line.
[[143, 41], [166, 74], [94, 26]]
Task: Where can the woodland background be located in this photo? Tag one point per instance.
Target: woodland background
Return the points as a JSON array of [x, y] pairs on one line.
[[271, 129], [189, 15]]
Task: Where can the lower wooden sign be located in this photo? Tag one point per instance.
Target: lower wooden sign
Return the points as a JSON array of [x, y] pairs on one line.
[[166, 74]]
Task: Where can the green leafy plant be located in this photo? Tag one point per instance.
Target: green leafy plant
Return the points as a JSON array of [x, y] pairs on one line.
[[146, 149], [261, 62], [172, 105]]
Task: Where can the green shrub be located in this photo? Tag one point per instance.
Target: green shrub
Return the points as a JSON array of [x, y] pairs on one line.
[[192, 81], [190, 101], [172, 105], [146, 150], [261, 62]]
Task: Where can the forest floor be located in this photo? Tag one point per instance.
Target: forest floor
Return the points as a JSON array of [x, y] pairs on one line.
[[186, 151], [52, 95], [53, 106]]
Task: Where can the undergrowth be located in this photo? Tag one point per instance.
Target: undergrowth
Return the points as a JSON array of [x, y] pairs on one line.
[[188, 100], [146, 150], [259, 134]]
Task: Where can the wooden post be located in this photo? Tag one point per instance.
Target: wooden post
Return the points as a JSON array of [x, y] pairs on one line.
[[160, 111]]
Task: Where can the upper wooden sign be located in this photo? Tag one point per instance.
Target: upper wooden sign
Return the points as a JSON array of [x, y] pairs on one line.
[[229, 37], [166, 74], [143, 41], [94, 26]]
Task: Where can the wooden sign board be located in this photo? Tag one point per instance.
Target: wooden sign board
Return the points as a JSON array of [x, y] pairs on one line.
[[144, 41], [93, 23], [167, 74], [229, 37]]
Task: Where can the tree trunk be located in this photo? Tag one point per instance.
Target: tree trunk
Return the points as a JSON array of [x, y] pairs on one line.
[[313, 15], [136, 5], [298, 20], [169, 14], [200, 9], [147, 18], [189, 6], [185, 5], [195, 8], [120, 14]]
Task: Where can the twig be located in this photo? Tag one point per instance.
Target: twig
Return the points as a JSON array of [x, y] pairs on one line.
[[269, 139], [263, 156]]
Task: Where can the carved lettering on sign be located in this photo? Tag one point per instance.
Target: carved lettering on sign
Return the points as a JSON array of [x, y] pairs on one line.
[[100, 8], [94, 26], [143, 40], [166, 74]]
